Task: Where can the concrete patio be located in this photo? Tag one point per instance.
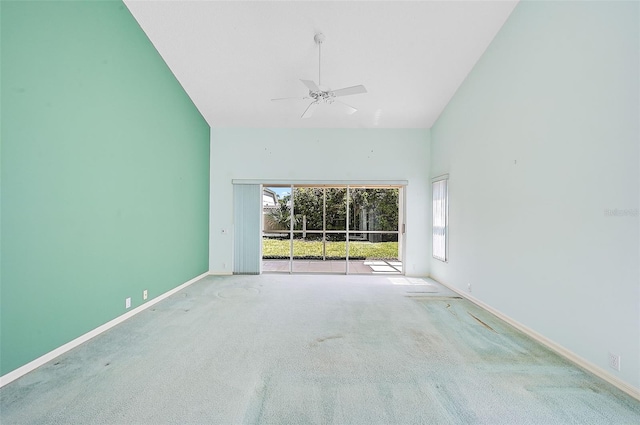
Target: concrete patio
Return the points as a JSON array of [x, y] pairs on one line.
[[384, 267]]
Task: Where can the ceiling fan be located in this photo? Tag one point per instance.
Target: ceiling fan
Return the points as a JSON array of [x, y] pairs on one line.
[[320, 94]]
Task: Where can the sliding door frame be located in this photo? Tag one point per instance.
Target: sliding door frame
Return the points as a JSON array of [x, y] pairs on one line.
[[348, 185]]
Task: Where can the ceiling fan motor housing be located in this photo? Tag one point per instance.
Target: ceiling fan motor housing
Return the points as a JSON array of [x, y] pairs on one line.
[[322, 96]]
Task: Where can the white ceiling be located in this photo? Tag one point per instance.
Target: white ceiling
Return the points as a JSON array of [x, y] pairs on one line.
[[233, 57]]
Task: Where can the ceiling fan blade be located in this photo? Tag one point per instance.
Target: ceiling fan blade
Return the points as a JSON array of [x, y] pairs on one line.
[[291, 98], [347, 91], [309, 111], [350, 109], [310, 85]]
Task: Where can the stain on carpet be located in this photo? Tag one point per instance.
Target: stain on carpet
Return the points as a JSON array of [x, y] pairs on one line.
[[482, 323], [320, 340]]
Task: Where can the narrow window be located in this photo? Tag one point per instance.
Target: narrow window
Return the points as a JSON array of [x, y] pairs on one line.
[[440, 217]]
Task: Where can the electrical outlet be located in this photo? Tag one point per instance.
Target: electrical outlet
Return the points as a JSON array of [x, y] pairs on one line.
[[127, 303], [469, 287], [614, 361], [145, 294]]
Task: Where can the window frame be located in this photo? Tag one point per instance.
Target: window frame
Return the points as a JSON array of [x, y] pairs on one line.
[[440, 218]]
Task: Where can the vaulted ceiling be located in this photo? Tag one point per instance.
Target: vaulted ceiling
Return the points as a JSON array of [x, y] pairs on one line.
[[233, 57]]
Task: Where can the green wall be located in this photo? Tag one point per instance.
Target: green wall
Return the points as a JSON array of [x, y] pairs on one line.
[[105, 174]]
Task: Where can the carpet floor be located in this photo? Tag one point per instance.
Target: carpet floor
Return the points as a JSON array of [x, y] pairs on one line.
[[283, 349]]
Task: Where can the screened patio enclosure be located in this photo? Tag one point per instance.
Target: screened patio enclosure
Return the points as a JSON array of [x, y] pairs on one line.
[[344, 229]]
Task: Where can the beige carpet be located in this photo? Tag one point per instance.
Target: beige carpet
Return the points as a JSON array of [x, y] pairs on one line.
[[281, 349]]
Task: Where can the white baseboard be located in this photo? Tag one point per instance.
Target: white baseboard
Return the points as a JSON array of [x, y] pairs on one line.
[[559, 349], [23, 370]]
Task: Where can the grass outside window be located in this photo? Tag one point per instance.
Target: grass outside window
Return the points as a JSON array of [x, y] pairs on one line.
[[279, 248]]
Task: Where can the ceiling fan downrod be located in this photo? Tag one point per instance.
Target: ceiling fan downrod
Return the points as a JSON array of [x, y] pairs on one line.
[[319, 39]]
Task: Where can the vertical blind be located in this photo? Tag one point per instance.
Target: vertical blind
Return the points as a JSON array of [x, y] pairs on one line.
[[440, 219], [247, 215]]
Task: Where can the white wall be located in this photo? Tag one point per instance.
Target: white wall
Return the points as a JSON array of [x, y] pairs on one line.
[[321, 154], [541, 140]]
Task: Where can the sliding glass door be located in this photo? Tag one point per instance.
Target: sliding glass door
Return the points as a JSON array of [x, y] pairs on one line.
[[332, 229], [374, 230], [319, 236]]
